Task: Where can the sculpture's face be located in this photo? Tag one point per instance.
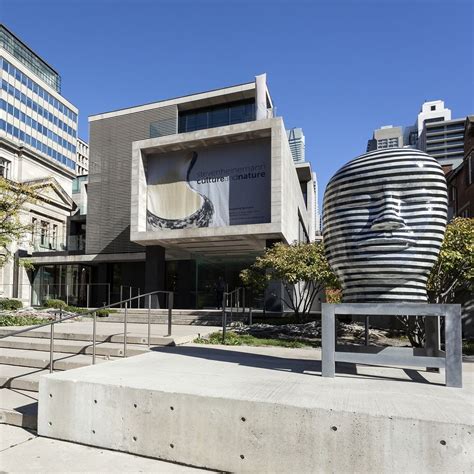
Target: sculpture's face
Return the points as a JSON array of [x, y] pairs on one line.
[[384, 221]]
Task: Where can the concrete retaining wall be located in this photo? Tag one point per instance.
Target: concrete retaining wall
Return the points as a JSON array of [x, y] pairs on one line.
[[243, 433]]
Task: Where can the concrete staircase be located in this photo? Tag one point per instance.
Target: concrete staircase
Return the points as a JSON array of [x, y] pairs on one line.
[[200, 317], [24, 358]]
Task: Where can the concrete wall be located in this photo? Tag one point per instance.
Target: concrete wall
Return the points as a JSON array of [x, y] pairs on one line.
[[286, 197], [259, 413]]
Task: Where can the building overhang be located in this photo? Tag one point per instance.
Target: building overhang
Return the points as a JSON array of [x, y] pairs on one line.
[[304, 171], [228, 239]]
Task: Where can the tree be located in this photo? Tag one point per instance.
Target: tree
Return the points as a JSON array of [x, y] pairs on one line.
[[13, 199], [301, 267], [454, 270], [453, 273]]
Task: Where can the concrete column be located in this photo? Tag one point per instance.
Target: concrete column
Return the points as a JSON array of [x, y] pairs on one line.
[[155, 272], [261, 97]]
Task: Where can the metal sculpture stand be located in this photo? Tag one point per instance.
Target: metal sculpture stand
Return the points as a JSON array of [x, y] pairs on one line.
[[450, 359]]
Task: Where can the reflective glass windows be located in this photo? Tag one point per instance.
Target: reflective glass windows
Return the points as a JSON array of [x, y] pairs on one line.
[[216, 116]]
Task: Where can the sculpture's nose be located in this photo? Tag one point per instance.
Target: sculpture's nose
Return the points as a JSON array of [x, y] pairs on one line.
[[388, 218]]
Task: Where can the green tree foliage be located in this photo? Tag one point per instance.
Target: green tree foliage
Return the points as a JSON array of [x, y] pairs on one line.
[[302, 268], [454, 270], [453, 273], [13, 199]]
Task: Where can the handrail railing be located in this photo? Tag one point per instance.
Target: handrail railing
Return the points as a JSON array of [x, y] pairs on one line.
[[93, 312], [225, 299]]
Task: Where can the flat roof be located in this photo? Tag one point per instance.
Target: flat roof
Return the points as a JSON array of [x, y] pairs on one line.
[[2, 26], [136, 108]]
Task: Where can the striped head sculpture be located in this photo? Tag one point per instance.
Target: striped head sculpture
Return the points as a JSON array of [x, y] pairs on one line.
[[384, 219]]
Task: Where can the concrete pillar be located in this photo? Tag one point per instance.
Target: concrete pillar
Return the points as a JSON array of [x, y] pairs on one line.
[[261, 97], [155, 272]]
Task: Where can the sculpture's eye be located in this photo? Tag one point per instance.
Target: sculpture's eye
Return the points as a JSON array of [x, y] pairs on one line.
[[417, 199], [357, 202]]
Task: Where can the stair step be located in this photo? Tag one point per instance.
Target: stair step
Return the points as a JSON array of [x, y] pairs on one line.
[[19, 408], [86, 335], [20, 378], [71, 346], [40, 359]]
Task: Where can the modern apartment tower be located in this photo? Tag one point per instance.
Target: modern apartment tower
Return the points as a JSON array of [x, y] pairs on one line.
[[38, 136]]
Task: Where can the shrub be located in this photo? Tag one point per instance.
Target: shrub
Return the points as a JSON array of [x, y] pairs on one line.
[[105, 312], [10, 304], [57, 304], [20, 320]]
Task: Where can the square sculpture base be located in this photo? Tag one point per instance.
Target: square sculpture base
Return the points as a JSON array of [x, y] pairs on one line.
[[450, 359]]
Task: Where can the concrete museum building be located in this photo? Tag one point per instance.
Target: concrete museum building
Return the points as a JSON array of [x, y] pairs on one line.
[[184, 191]]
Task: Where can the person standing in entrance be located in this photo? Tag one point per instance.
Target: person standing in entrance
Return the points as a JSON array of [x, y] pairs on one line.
[[220, 288]]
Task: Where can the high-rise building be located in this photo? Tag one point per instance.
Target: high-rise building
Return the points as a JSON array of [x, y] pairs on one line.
[[82, 157], [297, 144], [444, 140], [38, 136], [434, 132], [317, 213], [432, 111], [387, 136]]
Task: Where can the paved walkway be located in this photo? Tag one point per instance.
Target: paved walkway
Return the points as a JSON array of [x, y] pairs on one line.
[[23, 451]]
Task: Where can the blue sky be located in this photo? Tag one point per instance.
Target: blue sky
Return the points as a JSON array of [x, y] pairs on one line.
[[338, 68]]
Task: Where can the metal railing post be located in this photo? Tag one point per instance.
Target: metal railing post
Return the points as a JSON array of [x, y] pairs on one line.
[[149, 320], [121, 295], [224, 318], [231, 306], [67, 295], [250, 316], [88, 295], [138, 301], [108, 294], [51, 349], [170, 311], [125, 330], [243, 300], [94, 335]]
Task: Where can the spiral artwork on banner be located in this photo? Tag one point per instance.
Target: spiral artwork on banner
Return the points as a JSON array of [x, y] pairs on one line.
[[384, 219]]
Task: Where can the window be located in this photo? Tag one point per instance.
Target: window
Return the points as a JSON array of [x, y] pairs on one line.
[[433, 107], [216, 116], [469, 171], [4, 168]]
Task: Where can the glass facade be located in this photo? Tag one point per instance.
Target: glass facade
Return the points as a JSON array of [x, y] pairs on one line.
[[29, 140], [37, 89], [26, 119], [35, 107], [34, 63], [216, 116]]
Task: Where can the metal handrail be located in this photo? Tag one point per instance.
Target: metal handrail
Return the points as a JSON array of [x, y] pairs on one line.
[[225, 295], [94, 323]]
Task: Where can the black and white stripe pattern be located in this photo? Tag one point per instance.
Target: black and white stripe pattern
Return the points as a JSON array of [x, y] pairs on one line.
[[384, 219]]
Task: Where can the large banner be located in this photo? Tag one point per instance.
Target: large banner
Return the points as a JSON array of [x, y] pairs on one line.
[[209, 187]]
